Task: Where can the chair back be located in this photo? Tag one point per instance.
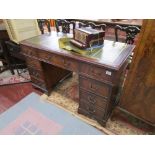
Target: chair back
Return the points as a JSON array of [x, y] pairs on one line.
[[64, 26], [44, 23], [92, 25], [131, 32]]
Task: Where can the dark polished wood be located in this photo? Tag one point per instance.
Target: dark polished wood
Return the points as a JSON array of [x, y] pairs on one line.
[[131, 32], [13, 93], [110, 24], [92, 25], [87, 37], [138, 96], [114, 22], [52, 64], [10, 54], [17, 59]]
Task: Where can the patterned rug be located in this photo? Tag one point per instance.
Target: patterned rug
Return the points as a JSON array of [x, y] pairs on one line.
[[66, 96], [7, 78], [32, 116]]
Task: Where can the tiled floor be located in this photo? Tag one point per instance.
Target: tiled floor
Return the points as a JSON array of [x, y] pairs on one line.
[[11, 94]]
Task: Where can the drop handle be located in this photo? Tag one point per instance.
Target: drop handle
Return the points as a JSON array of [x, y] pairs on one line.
[[91, 99], [92, 70], [48, 57], [93, 87], [66, 63]]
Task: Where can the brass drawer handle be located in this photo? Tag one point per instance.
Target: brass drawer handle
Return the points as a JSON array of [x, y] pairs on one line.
[[67, 64], [91, 99], [90, 109], [93, 87], [92, 70], [48, 57]]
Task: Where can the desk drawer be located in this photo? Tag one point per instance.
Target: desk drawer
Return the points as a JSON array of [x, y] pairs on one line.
[[65, 63], [36, 73], [38, 83], [46, 56], [30, 51], [92, 111], [33, 63], [96, 72], [92, 99], [95, 86], [59, 61]]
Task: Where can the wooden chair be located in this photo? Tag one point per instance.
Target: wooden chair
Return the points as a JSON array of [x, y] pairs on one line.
[[65, 25], [4, 58], [16, 58], [44, 23], [131, 32], [92, 25], [83, 24], [4, 55]]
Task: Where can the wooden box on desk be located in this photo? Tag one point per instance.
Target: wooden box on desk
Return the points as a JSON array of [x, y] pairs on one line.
[[87, 37]]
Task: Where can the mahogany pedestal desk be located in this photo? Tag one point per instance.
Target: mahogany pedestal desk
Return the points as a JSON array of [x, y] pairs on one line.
[[99, 75]]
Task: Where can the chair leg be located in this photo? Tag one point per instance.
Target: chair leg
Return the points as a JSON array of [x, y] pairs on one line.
[[11, 68], [12, 71], [18, 72]]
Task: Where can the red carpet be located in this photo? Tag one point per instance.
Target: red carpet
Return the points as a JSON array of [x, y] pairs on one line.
[[13, 79]]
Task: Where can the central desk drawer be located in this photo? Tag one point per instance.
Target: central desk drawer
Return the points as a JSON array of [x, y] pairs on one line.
[[97, 73], [59, 61], [65, 63], [46, 56], [95, 86], [92, 99]]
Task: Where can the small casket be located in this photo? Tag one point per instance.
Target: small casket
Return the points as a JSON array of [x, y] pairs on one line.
[[87, 37]]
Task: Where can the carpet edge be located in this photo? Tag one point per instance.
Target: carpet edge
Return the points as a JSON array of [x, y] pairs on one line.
[[44, 98]]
